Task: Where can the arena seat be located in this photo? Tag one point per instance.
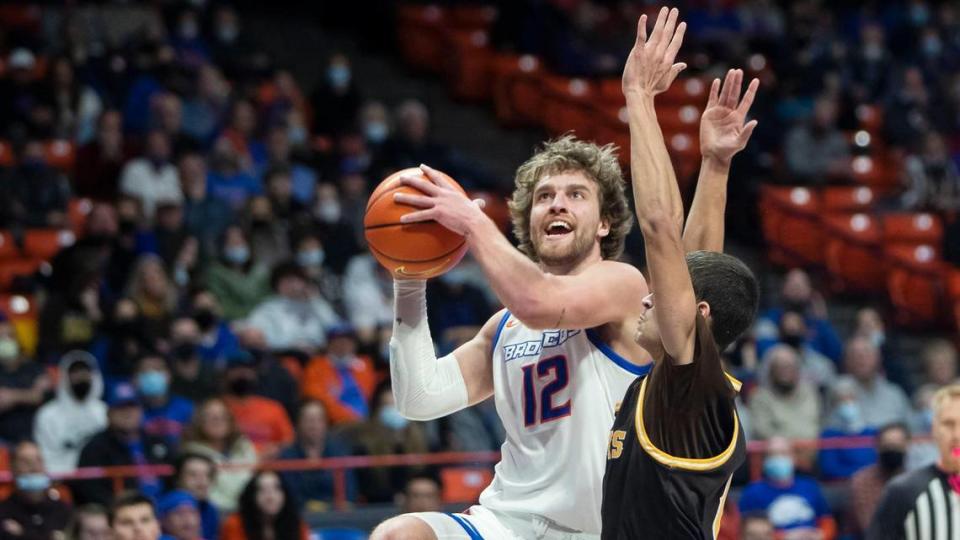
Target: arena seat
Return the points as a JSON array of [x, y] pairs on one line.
[[915, 285], [870, 118], [44, 244], [77, 211], [881, 173], [791, 225], [516, 89], [847, 199], [6, 154], [471, 17], [952, 284], [853, 256], [464, 484], [468, 64], [913, 228], [611, 127], [685, 91], [683, 119], [420, 35], [567, 106], [60, 154], [13, 268], [8, 246], [610, 92]]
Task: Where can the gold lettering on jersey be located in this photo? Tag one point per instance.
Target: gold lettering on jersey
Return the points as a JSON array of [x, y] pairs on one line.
[[616, 444]]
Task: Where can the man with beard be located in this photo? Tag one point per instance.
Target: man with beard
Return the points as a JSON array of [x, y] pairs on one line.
[[563, 352]]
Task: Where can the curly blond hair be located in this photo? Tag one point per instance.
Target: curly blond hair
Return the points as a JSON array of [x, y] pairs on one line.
[[569, 154]]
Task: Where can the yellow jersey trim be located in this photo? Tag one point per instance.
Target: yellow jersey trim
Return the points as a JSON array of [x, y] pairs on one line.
[[688, 464]]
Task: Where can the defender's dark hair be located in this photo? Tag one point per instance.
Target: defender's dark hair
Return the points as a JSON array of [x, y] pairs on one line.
[[724, 282]]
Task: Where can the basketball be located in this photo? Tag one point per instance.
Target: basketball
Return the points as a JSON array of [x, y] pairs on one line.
[[414, 250]]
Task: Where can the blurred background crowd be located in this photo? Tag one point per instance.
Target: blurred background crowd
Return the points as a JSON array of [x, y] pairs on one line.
[[185, 280]]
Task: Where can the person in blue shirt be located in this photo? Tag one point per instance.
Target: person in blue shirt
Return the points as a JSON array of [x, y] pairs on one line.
[[314, 489], [164, 415], [194, 473], [179, 516], [845, 419], [798, 295], [792, 502]]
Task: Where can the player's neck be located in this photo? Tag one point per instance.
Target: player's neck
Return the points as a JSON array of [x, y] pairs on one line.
[[572, 268]]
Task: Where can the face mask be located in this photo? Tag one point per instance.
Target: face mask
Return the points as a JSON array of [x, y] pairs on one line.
[[9, 350], [328, 211], [784, 388], [189, 29], [184, 351], [241, 387], [152, 384], [339, 76], [849, 413], [81, 390], [205, 319], [376, 132], [297, 135], [878, 338], [932, 46], [311, 257], [391, 417], [795, 305], [919, 14], [890, 459], [873, 51], [793, 341], [778, 468], [181, 276], [927, 418], [33, 482], [227, 33], [236, 254]]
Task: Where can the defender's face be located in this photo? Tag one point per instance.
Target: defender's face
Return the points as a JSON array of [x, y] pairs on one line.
[[647, 334], [565, 222]]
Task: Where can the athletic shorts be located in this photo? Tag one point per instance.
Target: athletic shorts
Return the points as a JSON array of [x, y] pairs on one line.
[[479, 523]]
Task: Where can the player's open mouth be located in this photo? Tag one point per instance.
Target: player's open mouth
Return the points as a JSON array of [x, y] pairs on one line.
[[558, 228]]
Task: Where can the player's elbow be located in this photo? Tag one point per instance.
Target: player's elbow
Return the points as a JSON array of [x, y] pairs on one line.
[[660, 223]]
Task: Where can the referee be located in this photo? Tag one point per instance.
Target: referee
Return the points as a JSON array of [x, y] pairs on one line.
[[924, 504]]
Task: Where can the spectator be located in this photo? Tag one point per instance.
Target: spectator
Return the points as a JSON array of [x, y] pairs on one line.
[[133, 517], [815, 368], [236, 280], [798, 295], [23, 386], [341, 380], [64, 425], [205, 217], [295, 317], [375, 123], [89, 522], [267, 510], [274, 380], [262, 420], [845, 419], [940, 362], [923, 452], [386, 432], [152, 178], [217, 340], [167, 116], [311, 256], [205, 110], [785, 406], [337, 100], [283, 206], [314, 490], [791, 502], [173, 243], [269, 236], [18, 91], [880, 401], [457, 309], [818, 151], [34, 510], [910, 109], [191, 377], [925, 496], [71, 313], [932, 179], [190, 46], [74, 106], [869, 324], [339, 238], [867, 484], [421, 494], [100, 162], [154, 293], [195, 474], [179, 516], [164, 415], [126, 339], [123, 442], [367, 293], [213, 433], [229, 180], [34, 194], [756, 526], [229, 46], [303, 179]]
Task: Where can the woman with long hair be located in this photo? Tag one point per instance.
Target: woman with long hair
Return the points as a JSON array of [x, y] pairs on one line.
[[213, 433], [151, 288], [267, 511], [236, 279]]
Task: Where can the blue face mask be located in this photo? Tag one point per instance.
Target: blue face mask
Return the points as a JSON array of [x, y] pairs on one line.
[[33, 482], [392, 418], [339, 76], [849, 413], [152, 383], [236, 254], [297, 135], [778, 468], [376, 132], [311, 257]]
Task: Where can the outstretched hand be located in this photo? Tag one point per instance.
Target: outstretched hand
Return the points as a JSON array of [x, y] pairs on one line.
[[723, 132], [650, 67]]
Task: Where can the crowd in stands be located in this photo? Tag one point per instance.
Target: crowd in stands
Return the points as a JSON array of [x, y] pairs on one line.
[[215, 308]]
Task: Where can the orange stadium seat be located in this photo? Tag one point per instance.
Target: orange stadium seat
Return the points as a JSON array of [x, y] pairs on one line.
[[60, 154], [685, 91], [952, 284], [791, 226], [420, 35], [516, 89], [915, 285], [679, 119], [610, 92], [611, 127], [495, 207], [43, 244], [567, 106], [468, 64], [912, 229], [870, 118], [6, 154], [11, 269], [847, 199], [463, 485], [472, 17], [853, 255], [881, 173], [77, 211], [8, 246]]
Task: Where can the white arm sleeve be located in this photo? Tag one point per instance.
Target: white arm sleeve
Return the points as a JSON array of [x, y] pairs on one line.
[[424, 386]]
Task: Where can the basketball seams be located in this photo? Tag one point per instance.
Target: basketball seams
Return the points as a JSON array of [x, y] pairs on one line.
[[420, 261]]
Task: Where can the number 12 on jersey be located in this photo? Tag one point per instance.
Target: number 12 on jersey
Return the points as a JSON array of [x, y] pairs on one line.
[[555, 376]]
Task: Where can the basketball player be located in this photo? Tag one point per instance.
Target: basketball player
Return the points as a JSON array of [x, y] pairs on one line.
[[676, 440], [563, 352]]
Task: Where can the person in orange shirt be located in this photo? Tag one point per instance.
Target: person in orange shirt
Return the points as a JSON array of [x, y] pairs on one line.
[[267, 511], [341, 380], [263, 420]]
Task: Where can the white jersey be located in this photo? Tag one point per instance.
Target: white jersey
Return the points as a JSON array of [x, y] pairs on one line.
[[556, 392]]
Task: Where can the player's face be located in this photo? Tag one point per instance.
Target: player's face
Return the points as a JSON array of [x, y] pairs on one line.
[[648, 333], [565, 224], [136, 523], [946, 431]]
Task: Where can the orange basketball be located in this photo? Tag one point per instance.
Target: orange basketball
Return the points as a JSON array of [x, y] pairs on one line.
[[415, 250]]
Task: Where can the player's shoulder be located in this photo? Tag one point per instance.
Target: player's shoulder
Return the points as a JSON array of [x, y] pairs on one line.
[[619, 274]]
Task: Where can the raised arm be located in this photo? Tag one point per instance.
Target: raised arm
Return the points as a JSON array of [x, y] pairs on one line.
[[723, 133], [650, 69], [538, 299]]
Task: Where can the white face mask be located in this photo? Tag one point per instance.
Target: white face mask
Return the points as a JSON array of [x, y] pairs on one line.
[[9, 350]]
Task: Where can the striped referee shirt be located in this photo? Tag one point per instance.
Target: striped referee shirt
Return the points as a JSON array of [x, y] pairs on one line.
[[919, 505]]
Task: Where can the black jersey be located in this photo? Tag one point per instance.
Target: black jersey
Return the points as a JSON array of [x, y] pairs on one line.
[[674, 447]]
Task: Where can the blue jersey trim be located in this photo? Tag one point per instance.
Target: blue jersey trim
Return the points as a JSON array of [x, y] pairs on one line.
[[639, 371], [496, 337], [467, 526]]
